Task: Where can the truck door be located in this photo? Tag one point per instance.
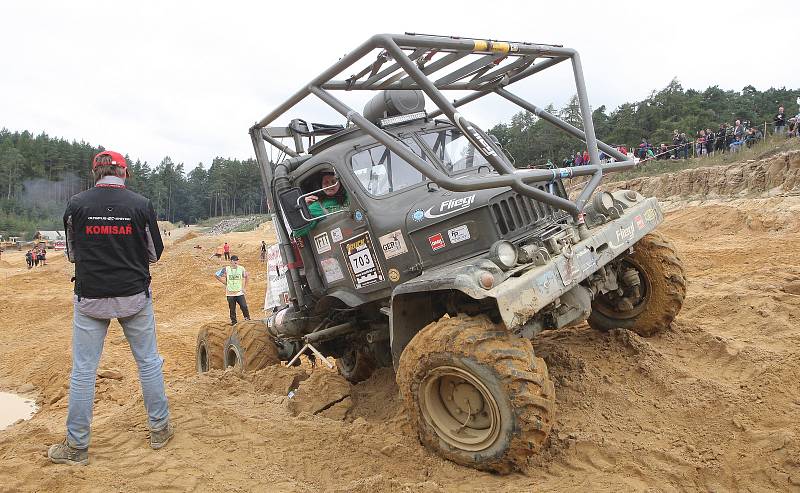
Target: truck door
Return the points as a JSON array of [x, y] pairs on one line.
[[345, 250]]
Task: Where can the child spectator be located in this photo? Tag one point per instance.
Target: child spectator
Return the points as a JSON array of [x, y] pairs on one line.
[[700, 144]]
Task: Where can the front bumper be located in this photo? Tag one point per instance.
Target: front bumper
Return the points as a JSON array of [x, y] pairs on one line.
[[519, 298]]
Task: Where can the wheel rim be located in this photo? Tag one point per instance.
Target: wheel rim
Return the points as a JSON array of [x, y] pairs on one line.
[[460, 408], [605, 305], [202, 358], [234, 358], [347, 363]]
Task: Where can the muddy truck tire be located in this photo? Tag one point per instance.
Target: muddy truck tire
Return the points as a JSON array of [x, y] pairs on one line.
[[476, 394], [249, 347], [649, 307], [356, 366], [210, 346]]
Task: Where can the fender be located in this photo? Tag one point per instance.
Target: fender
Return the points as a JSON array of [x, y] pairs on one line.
[[347, 297], [412, 303]]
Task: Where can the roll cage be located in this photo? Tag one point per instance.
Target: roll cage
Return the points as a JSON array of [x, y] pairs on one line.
[[409, 62]]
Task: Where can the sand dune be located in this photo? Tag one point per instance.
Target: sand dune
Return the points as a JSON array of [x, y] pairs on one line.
[[711, 404]]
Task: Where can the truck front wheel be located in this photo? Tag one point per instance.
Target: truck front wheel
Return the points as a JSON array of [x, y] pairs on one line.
[[652, 289], [476, 394]]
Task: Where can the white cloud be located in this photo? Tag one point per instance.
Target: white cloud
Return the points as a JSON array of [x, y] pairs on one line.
[[187, 79]]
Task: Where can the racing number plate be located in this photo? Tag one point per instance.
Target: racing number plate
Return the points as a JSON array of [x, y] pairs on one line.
[[361, 260]]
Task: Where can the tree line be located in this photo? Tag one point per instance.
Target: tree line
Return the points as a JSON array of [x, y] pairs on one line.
[[533, 141], [39, 173]]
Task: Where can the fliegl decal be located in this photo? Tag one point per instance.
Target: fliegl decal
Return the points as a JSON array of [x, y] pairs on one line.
[[450, 206], [623, 235]]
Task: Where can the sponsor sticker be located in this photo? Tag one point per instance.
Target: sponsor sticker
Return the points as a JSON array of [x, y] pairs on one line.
[[322, 243], [624, 234], [394, 275], [450, 206], [336, 235], [360, 255], [358, 216], [277, 284], [436, 241], [332, 270], [458, 234], [393, 244], [418, 215], [639, 222], [544, 284], [649, 215]]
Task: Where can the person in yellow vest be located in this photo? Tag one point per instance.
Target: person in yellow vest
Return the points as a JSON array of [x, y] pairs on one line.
[[234, 277]]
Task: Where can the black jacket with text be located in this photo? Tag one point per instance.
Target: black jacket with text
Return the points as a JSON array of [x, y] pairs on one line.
[[112, 236]]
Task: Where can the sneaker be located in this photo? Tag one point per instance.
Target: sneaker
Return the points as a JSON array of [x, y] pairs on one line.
[[159, 438], [63, 453]]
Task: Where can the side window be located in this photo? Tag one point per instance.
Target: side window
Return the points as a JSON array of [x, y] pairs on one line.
[[454, 150], [381, 171]]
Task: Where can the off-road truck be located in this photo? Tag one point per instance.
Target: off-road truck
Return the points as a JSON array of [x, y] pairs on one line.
[[445, 260]]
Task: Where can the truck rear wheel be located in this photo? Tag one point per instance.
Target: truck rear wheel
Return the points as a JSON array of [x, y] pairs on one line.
[[476, 394], [249, 347], [210, 342], [356, 366], [651, 306]]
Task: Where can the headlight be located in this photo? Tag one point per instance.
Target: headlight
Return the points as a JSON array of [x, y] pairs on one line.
[[603, 202], [504, 254]]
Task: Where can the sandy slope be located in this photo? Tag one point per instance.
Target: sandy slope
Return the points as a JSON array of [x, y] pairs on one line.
[[712, 404]]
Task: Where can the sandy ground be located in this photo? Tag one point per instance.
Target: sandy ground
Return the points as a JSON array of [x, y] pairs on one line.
[[710, 405]]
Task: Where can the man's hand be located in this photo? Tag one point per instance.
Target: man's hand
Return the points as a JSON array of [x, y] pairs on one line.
[[311, 198]]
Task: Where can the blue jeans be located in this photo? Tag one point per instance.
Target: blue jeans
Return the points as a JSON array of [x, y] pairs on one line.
[[88, 335]]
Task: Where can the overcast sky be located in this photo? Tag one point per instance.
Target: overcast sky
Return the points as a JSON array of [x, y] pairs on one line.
[[187, 79]]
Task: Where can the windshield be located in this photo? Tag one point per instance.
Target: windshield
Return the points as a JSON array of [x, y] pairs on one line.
[[381, 171], [455, 152]]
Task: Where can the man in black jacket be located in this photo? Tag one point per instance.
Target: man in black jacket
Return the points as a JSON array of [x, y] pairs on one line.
[[112, 237], [720, 140], [780, 122]]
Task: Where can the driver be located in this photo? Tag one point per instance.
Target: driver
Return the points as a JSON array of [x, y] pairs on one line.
[[334, 199]]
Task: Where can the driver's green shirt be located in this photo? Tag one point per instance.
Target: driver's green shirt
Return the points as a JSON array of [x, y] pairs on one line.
[[320, 208]]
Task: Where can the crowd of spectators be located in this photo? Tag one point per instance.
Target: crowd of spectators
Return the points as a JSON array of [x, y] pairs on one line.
[[727, 138]]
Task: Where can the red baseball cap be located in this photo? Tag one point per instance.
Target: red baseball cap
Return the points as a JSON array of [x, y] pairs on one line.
[[109, 158]]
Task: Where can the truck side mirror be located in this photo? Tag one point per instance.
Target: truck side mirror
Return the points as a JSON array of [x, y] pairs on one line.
[[294, 207]]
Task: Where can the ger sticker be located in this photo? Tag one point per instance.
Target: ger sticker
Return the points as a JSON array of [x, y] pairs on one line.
[[360, 255], [393, 244]]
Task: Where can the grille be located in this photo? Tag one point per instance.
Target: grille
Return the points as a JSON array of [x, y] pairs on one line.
[[515, 214]]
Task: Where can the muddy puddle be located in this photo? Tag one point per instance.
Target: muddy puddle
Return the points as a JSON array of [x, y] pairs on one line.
[[14, 407]]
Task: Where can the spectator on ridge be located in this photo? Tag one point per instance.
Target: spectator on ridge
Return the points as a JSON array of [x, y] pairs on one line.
[[700, 144], [780, 122], [676, 143], [720, 140], [709, 141]]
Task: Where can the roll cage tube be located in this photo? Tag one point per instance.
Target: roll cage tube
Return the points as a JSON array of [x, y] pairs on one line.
[[494, 65]]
